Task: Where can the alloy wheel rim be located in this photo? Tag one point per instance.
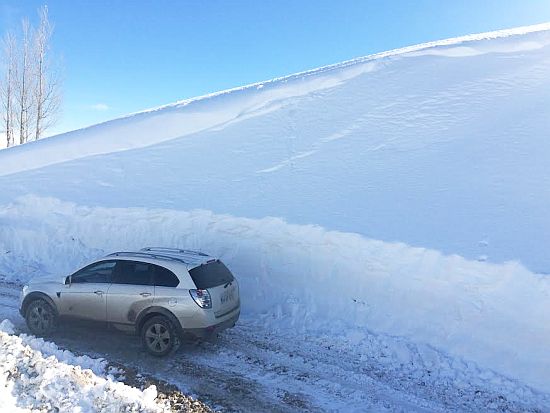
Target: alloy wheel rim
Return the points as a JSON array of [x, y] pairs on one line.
[[157, 338], [40, 318]]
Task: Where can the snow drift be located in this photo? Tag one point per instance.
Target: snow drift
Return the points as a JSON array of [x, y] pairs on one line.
[[304, 278]]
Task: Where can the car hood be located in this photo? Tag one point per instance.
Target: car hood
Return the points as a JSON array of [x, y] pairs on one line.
[[60, 279]]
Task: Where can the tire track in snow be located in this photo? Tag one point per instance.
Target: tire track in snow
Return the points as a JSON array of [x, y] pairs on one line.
[[248, 369]]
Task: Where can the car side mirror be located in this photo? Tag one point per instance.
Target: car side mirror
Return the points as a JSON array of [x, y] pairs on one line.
[[68, 280]]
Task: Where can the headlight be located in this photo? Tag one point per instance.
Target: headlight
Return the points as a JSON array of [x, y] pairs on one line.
[[24, 292]]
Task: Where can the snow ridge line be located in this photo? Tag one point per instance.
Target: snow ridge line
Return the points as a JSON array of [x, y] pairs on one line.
[[454, 41]]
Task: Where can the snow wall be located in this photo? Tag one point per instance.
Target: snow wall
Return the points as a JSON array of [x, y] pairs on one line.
[[306, 278], [442, 145]]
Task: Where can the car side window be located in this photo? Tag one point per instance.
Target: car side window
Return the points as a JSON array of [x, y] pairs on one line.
[[100, 272], [164, 277], [134, 272]]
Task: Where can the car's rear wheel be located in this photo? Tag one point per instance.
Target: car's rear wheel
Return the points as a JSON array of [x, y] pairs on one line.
[[40, 317], [158, 336]]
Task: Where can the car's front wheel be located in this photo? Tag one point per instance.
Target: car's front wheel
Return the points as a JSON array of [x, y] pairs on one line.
[[158, 336], [40, 317]]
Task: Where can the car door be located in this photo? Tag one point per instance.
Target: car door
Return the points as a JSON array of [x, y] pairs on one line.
[[85, 295], [132, 291]]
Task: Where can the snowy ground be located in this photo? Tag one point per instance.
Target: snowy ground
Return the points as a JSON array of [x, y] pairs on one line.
[[253, 369], [36, 375], [442, 147]]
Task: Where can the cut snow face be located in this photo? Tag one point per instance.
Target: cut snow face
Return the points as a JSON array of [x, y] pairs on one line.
[[34, 379], [306, 279], [441, 146]]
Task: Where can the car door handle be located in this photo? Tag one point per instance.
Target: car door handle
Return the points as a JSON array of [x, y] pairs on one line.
[[98, 292], [145, 294]]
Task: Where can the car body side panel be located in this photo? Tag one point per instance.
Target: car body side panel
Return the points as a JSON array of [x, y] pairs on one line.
[[126, 301], [178, 301], [85, 300]]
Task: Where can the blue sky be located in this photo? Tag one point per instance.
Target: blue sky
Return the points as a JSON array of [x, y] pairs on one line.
[[124, 56]]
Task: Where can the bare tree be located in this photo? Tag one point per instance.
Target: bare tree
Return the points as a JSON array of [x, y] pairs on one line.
[[7, 92], [30, 84], [23, 83], [47, 85]]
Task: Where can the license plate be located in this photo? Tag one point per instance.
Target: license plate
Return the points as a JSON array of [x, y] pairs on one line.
[[228, 296]]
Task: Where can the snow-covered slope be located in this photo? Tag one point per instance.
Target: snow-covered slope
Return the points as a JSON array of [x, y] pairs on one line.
[[441, 146]]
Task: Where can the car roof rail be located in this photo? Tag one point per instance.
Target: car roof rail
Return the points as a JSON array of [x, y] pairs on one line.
[[174, 250], [148, 255]]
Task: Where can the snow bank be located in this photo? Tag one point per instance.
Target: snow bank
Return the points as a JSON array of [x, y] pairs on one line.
[[304, 278], [31, 379]]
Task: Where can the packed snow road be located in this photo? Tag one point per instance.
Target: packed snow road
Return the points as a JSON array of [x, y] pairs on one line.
[[252, 369]]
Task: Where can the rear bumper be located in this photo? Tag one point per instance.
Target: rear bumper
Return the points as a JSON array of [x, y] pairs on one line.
[[215, 328]]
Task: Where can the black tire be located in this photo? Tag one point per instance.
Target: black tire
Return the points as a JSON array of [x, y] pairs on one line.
[[158, 336], [41, 317]]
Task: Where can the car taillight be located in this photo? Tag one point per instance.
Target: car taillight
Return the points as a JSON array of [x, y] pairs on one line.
[[202, 298]]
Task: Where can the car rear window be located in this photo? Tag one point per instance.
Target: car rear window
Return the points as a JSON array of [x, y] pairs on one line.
[[211, 275]]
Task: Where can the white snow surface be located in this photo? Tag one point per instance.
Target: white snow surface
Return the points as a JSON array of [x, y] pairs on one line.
[[441, 145], [218, 109], [35, 375], [306, 279], [403, 194]]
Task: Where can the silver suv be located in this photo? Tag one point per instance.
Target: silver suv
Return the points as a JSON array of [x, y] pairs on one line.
[[159, 293]]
